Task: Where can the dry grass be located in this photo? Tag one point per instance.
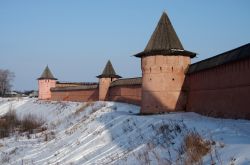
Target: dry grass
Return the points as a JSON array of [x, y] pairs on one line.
[[10, 123], [194, 147], [82, 108], [30, 122]]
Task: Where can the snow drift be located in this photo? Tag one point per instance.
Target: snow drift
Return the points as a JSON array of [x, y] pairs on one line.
[[114, 133]]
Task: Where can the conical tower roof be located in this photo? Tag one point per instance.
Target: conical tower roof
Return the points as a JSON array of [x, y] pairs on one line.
[[47, 74], [108, 72], [164, 41]]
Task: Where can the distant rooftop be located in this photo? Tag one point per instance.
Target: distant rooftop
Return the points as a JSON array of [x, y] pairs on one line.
[[236, 54]]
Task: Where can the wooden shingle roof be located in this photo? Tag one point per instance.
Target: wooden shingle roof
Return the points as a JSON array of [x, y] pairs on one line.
[[108, 71], [127, 81], [236, 54], [47, 74], [74, 88], [164, 41]]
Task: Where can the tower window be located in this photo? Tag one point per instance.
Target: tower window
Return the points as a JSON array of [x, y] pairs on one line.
[[172, 69]]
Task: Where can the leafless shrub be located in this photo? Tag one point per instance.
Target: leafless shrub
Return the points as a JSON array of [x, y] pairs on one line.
[[194, 147], [10, 123], [4, 129], [11, 117], [6, 77], [30, 122]]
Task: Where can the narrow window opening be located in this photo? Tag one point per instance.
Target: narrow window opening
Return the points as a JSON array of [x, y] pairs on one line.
[[172, 69]]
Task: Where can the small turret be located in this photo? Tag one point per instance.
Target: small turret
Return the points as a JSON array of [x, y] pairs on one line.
[[108, 75], [45, 82]]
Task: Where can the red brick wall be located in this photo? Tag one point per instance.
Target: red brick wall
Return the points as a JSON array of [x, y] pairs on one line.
[[223, 91], [81, 95], [127, 93]]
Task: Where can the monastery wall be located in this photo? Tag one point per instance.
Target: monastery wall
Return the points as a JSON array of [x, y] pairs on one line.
[[123, 93], [222, 91], [126, 93], [75, 95]]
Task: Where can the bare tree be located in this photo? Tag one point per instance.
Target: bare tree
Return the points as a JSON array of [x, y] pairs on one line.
[[6, 77]]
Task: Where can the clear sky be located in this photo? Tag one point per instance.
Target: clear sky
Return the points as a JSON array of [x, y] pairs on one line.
[[76, 38]]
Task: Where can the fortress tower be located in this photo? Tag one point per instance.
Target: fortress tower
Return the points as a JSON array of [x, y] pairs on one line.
[[164, 63], [108, 75], [45, 82]]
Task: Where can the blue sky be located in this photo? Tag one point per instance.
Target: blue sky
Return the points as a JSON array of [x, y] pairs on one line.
[[76, 38]]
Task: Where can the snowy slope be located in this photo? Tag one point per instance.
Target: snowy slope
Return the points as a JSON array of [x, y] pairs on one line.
[[113, 133]]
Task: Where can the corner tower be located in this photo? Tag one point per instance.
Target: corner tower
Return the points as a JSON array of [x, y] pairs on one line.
[[45, 82], [164, 63], [108, 75]]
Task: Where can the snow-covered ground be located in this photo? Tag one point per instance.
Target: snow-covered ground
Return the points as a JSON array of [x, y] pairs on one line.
[[113, 133]]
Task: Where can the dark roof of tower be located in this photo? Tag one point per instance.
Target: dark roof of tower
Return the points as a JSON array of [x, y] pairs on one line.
[[108, 71], [237, 54], [164, 41], [47, 74]]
